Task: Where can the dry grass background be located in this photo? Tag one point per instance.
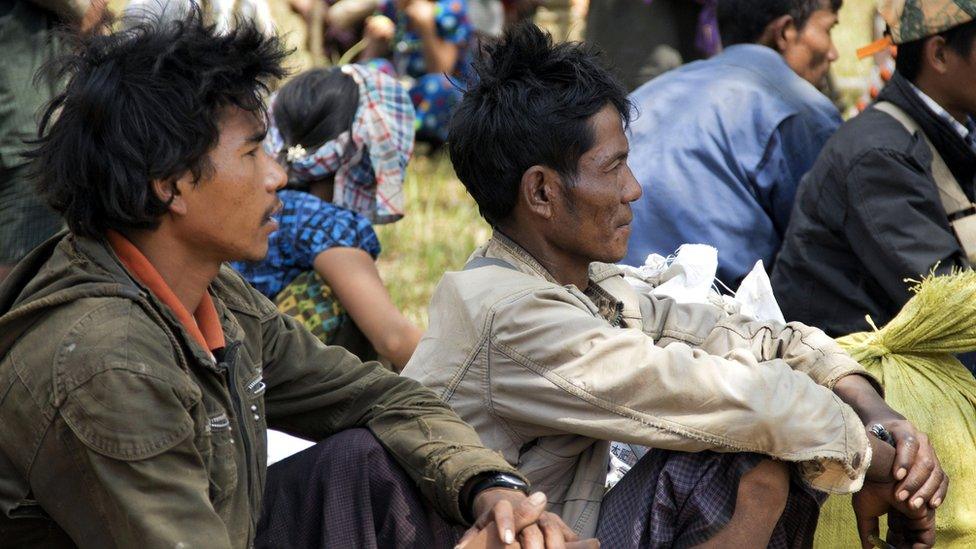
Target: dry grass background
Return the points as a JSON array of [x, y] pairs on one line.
[[440, 229]]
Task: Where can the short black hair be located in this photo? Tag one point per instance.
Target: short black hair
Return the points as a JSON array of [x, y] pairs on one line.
[[530, 105], [744, 21], [315, 107], [960, 39], [140, 105]]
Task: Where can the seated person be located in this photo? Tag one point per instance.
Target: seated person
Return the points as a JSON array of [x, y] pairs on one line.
[[428, 41], [550, 354], [139, 375], [341, 22], [890, 197], [345, 137], [742, 128]]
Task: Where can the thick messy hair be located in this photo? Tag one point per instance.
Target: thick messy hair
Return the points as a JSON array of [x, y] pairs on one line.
[[743, 21], [531, 105], [141, 105]]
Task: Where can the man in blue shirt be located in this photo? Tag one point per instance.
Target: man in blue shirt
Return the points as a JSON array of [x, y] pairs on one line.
[[720, 145]]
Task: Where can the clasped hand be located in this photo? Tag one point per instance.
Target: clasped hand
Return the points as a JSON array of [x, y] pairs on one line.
[[509, 519], [908, 494]]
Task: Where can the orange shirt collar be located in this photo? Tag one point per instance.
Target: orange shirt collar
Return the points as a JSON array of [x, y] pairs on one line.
[[204, 326]]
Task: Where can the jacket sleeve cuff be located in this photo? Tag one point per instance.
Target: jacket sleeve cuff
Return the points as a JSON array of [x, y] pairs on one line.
[[843, 365], [842, 474], [452, 474]]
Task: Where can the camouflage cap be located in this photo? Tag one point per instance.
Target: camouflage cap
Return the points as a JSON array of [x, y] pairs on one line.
[[910, 20]]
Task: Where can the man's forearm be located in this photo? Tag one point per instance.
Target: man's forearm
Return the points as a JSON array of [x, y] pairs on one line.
[[860, 394], [439, 55]]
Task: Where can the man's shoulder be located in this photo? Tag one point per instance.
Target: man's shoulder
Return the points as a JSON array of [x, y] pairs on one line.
[[485, 287], [240, 297], [881, 128], [754, 96], [99, 362], [89, 335], [871, 132]]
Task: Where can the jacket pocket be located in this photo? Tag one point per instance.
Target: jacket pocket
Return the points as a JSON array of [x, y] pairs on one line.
[[222, 466]]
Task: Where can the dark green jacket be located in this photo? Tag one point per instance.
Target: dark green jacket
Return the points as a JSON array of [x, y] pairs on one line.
[[118, 430]]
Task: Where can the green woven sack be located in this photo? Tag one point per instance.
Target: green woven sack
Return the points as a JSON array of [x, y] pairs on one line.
[[913, 356]]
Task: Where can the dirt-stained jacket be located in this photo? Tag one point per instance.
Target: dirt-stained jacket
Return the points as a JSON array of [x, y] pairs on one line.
[[548, 375], [118, 428]]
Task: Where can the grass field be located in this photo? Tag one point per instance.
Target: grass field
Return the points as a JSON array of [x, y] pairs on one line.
[[440, 229]]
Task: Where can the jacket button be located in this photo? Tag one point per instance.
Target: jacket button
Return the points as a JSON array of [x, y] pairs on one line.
[[257, 417], [254, 407], [856, 461]]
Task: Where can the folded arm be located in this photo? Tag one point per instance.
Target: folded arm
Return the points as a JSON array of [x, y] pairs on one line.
[[315, 390], [592, 379], [807, 350]]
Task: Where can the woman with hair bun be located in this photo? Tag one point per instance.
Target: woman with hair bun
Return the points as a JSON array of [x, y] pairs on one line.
[[345, 136]]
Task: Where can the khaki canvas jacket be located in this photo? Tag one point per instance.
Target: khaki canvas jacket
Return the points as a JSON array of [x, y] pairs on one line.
[[118, 430], [548, 375]]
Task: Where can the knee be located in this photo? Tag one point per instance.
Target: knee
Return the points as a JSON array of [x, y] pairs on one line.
[[350, 445], [768, 485]]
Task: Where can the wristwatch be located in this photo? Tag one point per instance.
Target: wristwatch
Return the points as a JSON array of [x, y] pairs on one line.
[[881, 433], [482, 482]]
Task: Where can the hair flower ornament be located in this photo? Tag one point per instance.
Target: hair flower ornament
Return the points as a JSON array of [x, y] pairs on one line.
[[296, 152]]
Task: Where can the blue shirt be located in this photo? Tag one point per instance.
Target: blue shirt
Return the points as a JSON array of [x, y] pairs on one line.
[[307, 226], [719, 147]]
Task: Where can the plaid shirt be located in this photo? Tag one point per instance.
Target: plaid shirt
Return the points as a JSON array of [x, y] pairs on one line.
[[965, 131], [307, 227]]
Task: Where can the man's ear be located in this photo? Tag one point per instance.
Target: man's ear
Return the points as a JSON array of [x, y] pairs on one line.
[[780, 33], [539, 190], [935, 53], [172, 192]]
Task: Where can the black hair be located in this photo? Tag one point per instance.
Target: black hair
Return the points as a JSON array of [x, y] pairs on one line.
[[960, 39], [315, 107], [744, 21], [531, 105], [142, 105]]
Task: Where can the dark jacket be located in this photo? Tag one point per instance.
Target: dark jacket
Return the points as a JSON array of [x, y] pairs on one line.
[[868, 216], [118, 430]]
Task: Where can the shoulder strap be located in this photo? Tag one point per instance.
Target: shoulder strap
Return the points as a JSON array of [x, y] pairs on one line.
[[961, 212], [954, 200], [479, 262]]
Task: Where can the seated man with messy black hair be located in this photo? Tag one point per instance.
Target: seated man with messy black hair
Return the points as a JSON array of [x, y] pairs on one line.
[[138, 374], [545, 349]]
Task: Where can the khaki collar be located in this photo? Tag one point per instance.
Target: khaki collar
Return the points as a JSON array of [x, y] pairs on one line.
[[504, 248]]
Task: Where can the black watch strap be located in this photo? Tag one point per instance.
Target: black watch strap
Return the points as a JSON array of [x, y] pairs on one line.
[[484, 481]]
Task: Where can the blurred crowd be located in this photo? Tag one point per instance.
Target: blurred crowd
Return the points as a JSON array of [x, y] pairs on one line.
[[599, 140]]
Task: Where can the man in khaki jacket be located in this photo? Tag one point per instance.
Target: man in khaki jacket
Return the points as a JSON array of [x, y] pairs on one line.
[[138, 375], [550, 354]]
